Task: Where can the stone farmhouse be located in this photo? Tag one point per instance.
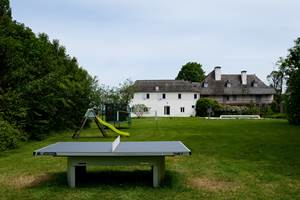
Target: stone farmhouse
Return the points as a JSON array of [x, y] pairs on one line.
[[178, 97]]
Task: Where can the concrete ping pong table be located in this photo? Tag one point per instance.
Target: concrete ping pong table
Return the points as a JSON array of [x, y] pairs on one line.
[[81, 154]]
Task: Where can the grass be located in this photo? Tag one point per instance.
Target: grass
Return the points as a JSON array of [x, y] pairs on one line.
[[231, 159]]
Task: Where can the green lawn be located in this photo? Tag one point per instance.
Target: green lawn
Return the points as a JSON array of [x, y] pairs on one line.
[[231, 159]]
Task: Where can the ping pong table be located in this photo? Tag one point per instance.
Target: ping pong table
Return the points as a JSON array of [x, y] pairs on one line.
[[81, 154]]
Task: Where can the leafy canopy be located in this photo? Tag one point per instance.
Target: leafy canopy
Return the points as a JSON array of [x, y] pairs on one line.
[[291, 67], [191, 71], [42, 88]]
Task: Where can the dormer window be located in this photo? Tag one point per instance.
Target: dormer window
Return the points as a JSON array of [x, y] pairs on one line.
[[156, 88], [228, 84], [254, 84], [205, 84]]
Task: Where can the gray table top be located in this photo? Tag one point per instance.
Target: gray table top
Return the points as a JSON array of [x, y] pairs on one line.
[[166, 148]]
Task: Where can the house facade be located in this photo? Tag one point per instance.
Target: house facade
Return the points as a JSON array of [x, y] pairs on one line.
[[166, 98], [178, 98], [236, 89]]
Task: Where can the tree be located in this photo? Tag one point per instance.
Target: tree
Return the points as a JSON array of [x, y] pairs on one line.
[[126, 91], [204, 105], [5, 9], [42, 88], [191, 71], [139, 109], [291, 66], [277, 80]]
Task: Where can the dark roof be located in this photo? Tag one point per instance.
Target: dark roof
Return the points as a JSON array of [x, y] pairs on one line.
[[214, 87], [166, 86], [219, 87]]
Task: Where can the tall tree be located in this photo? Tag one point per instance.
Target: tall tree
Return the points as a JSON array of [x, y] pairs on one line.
[[277, 80], [191, 71], [42, 88], [5, 9], [291, 66], [126, 91]]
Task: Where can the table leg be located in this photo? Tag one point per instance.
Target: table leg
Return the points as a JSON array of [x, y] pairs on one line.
[[158, 171], [71, 173]]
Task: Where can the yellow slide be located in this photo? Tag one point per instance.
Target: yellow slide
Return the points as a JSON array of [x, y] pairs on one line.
[[111, 127]]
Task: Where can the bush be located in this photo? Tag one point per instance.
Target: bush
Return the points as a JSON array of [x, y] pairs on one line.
[[139, 109], [204, 104], [252, 110], [9, 136], [277, 116], [233, 110]]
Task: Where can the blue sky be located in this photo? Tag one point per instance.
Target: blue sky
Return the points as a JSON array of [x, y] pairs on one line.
[[119, 39]]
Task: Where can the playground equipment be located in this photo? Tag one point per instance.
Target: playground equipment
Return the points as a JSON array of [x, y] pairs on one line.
[[111, 127], [117, 114], [101, 124]]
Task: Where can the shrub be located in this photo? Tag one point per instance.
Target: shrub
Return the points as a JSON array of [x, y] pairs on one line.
[[139, 109], [278, 116], [204, 104], [9, 136], [233, 110], [252, 110]]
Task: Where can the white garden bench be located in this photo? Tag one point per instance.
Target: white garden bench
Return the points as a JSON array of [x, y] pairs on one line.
[[239, 117]]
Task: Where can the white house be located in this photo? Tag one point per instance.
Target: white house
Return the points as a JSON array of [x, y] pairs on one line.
[[178, 97], [166, 98]]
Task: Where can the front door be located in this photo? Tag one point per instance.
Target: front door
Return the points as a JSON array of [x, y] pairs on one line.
[[167, 110]]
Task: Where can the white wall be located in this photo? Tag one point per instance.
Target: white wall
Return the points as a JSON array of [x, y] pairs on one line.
[[156, 103]]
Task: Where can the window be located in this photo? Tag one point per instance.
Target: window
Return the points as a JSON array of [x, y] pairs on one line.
[[226, 98], [156, 88], [195, 96], [179, 96], [254, 83], [234, 97], [182, 109], [258, 99], [193, 106], [228, 84], [164, 96], [205, 84], [147, 96]]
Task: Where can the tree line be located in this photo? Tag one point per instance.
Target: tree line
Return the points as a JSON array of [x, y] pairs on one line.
[[42, 88]]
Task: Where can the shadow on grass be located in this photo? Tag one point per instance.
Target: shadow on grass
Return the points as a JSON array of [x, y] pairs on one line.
[[123, 179]]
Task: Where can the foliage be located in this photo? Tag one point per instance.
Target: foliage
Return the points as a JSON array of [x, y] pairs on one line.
[[252, 110], [9, 136], [42, 88], [139, 109], [277, 116], [126, 91], [277, 80], [5, 9], [204, 104], [191, 71], [116, 95], [291, 66], [233, 110]]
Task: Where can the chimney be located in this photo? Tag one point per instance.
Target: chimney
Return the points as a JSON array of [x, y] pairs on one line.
[[218, 73], [244, 77]]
